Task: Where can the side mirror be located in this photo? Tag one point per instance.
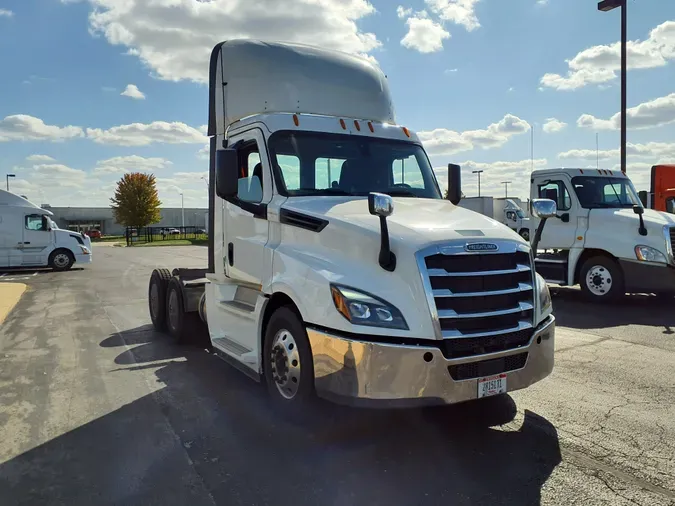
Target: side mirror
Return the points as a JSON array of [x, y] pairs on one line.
[[227, 173], [544, 208], [380, 204], [638, 209], [454, 183]]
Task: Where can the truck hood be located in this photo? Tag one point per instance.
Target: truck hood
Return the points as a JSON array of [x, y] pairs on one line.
[[654, 220], [63, 237], [415, 222]]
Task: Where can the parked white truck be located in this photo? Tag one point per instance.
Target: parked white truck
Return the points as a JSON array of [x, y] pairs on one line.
[[603, 238], [30, 238], [335, 266], [506, 211]]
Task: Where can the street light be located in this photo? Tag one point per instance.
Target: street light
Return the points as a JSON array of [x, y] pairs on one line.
[[479, 172], [7, 178], [606, 6], [506, 188]]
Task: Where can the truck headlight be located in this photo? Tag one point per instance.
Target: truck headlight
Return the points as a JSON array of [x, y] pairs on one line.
[[545, 306], [85, 250], [649, 254], [363, 309]]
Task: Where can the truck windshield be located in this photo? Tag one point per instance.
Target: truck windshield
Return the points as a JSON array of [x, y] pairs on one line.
[[334, 164], [520, 214], [605, 192]]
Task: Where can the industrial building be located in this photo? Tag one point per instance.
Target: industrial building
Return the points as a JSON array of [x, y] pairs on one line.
[[101, 218]]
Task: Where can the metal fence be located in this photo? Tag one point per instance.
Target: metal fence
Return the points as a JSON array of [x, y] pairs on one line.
[[144, 235]]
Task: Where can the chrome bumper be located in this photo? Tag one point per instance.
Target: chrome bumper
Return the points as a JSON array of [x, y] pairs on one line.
[[367, 373]]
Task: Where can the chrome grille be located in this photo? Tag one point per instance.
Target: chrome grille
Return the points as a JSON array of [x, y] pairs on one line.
[[479, 296], [672, 244]]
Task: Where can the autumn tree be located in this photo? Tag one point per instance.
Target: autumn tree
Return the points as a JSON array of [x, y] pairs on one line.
[[136, 203]]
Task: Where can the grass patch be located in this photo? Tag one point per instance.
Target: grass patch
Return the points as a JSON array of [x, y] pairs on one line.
[[173, 242], [109, 238]]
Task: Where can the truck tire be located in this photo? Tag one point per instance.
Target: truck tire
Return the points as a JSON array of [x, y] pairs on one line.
[[287, 363], [159, 282], [61, 260], [525, 234], [181, 325], [601, 280]]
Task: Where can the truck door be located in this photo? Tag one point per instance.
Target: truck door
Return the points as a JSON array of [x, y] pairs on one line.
[[558, 233], [35, 244], [245, 216]]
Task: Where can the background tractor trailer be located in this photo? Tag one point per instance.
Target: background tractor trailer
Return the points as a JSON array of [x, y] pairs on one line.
[[603, 238], [335, 266], [508, 211]]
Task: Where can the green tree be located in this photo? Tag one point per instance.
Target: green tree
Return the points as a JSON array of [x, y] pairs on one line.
[[136, 203]]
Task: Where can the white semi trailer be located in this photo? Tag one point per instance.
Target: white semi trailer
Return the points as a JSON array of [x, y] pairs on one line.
[[335, 265]]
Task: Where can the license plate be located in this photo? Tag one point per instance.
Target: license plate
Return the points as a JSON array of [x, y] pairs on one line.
[[491, 385]]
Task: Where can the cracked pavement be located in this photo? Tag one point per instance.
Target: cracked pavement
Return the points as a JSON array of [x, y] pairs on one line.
[[96, 408]]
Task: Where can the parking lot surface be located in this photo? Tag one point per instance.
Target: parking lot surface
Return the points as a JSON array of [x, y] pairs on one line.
[[96, 408]]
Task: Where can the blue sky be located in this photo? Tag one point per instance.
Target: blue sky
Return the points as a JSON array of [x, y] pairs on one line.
[[471, 76]]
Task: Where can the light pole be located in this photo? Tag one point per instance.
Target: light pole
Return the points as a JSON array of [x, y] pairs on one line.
[[506, 188], [7, 179], [606, 6], [182, 211], [479, 172]]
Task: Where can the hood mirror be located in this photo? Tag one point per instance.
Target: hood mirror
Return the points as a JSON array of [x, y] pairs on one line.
[[639, 210], [382, 205]]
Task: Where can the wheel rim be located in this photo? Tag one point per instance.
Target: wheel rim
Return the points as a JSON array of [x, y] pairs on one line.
[[599, 280], [173, 309], [285, 361], [154, 300], [526, 236], [61, 260]]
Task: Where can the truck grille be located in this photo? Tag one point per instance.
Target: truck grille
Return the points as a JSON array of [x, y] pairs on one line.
[[484, 301], [483, 368], [672, 242]]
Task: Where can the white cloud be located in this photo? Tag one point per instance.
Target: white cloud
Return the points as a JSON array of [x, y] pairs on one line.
[[402, 12], [424, 35], [174, 38], [6, 13], [132, 91], [442, 141], [542, 2], [651, 150], [553, 125], [600, 64], [450, 71], [141, 134], [654, 113], [204, 153], [460, 12], [21, 127], [40, 158], [135, 163], [511, 89]]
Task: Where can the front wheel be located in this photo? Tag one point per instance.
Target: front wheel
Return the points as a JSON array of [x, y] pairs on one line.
[[61, 260], [601, 279], [525, 234], [287, 362], [159, 282]]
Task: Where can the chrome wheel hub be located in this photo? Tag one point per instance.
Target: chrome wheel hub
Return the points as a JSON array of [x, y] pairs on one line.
[[285, 361], [598, 280], [61, 260]]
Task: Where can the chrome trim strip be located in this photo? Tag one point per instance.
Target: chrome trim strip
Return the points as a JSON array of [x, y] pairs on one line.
[[522, 287], [428, 291], [442, 273], [450, 313], [550, 261], [451, 334]]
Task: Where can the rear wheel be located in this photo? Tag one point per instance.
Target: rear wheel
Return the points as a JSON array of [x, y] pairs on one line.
[[181, 325], [159, 282], [61, 260], [525, 234], [287, 362], [601, 279]]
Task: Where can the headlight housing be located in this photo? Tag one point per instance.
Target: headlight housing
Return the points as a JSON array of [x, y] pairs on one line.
[[85, 250], [545, 306], [361, 308], [649, 254]]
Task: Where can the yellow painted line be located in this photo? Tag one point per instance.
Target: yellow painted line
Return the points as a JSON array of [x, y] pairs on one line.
[[10, 293]]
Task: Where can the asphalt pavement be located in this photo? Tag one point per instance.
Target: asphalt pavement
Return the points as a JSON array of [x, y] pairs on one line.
[[96, 408]]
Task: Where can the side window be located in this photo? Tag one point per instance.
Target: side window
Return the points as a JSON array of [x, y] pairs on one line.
[[250, 175], [407, 172], [34, 222], [290, 168], [556, 191], [327, 173]]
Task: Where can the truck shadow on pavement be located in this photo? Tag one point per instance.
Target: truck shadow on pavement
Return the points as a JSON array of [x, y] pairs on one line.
[[210, 435], [573, 312]]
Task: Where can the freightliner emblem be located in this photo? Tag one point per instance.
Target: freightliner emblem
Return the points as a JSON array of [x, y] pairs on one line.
[[481, 246]]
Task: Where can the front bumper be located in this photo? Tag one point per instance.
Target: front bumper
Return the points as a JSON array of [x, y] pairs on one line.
[[642, 277], [367, 373], [83, 258]]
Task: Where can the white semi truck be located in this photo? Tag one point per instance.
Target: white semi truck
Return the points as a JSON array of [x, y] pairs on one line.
[[508, 211], [335, 266], [30, 238], [603, 238]]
